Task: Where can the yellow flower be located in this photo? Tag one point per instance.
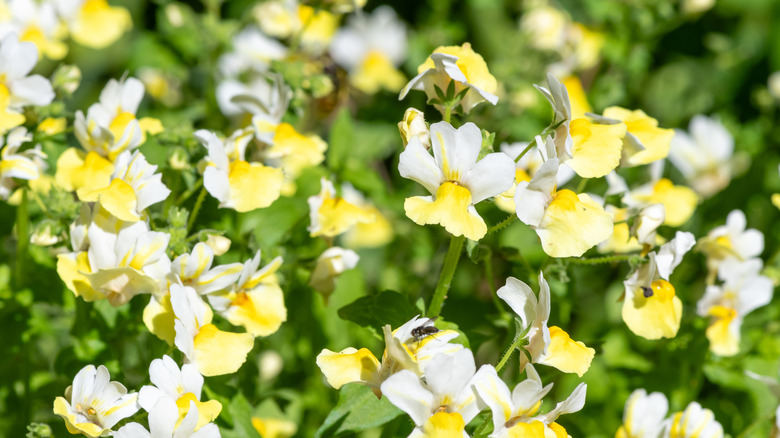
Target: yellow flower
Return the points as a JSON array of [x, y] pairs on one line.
[[645, 141], [98, 25], [679, 201], [52, 126], [77, 169], [332, 215], [274, 427]]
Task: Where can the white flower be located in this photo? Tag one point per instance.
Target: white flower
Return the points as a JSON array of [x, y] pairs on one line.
[[694, 422], [731, 240], [17, 87], [14, 164], [38, 23], [703, 154], [455, 179], [252, 51], [94, 404], [643, 416], [163, 419], [195, 270]]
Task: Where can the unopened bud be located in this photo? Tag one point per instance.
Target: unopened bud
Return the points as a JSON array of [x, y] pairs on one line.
[[218, 244], [413, 125], [66, 79]]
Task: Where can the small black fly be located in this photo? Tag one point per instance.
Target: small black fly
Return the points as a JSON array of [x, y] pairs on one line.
[[424, 329]]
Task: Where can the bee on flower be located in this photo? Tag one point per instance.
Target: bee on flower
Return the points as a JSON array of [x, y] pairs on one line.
[[18, 88]]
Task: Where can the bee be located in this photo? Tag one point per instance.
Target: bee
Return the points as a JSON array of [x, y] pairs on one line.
[[424, 329]]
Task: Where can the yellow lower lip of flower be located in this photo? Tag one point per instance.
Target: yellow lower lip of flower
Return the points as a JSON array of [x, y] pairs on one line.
[[295, 151], [218, 352], [261, 311], [253, 185], [76, 170], [655, 316], [91, 430], [596, 149], [450, 209], [377, 72], [336, 216], [349, 365], [118, 198], [444, 425], [207, 411], [723, 341], [572, 224], [159, 319], [566, 354], [679, 201], [534, 429], [99, 25], [50, 47], [8, 119]]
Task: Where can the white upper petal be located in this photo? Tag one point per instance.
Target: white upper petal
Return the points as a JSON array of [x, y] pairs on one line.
[[417, 164], [491, 176], [406, 392]]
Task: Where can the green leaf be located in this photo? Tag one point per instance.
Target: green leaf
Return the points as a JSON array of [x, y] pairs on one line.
[[241, 412], [357, 409], [451, 91], [472, 249], [341, 140], [439, 93], [387, 307]]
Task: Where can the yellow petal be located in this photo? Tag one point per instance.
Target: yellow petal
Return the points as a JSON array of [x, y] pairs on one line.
[[450, 209], [52, 48], [336, 216], [99, 25], [159, 318], [723, 341], [578, 100], [76, 170], [370, 234], [654, 317], [444, 425], [8, 119], [118, 198], [776, 199], [572, 224], [274, 427], [349, 366], [150, 125], [207, 411], [559, 431], [566, 354], [91, 430], [320, 25], [218, 352], [645, 128], [53, 126], [71, 269], [296, 151], [595, 147], [621, 240], [470, 63], [534, 429], [261, 311], [377, 72], [253, 185], [679, 201]]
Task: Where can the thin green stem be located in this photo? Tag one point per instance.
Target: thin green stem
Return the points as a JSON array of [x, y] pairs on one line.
[[525, 151], [196, 208], [508, 353], [186, 195], [489, 277], [23, 239], [583, 183], [511, 218], [605, 259], [447, 113], [447, 272]]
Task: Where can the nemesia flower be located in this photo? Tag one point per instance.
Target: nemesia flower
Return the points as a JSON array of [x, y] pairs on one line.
[[413, 125], [455, 179], [36, 22], [93, 404], [548, 346], [567, 224], [15, 164], [330, 265], [252, 51], [644, 142], [195, 270], [161, 85], [402, 352], [182, 386], [17, 87], [694, 422], [731, 240], [256, 301], [164, 422], [743, 291], [331, 215], [287, 18], [435, 403], [591, 149], [372, 234], [703, 155], [513, 413], [458, 64], [371, 47], [643, 416], [546, 26], [212, 351], [291, 151], [94, 23], [274, 427], [266, 96], [651, 309], [134, 187], [236, 183], [679, 201], [641, 236]]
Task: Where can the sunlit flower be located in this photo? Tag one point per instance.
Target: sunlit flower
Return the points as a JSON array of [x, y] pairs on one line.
[[165, 422], [459, 65], [331, 215], [183, 386], [548, 346], [36, 22], [236, 183], [546, 27], [212, 351], [455, 179], [288, 18], [403, 351], [14, 164], [743, 291], [641, 236], [370, 48], [694, 422], [679, 201], [195, 270], [448, 390], [514, 413], [731, 240], [95, 23], [17, 87], [413, 125], [567, 224], [330, 265], [93, 404], [644, 142], [651, 308], [643, 416], [703, 155]]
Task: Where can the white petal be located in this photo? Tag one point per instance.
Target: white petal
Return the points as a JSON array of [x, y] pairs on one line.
[[492, 175], [405, 391], [417, 164], [520, 298]]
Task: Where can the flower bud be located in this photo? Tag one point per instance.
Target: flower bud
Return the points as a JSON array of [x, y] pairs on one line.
[[413, 125], [218, 244]]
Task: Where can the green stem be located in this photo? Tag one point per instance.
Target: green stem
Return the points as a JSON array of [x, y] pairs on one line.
[[23, 238], [196, 208], [447, 113], [605, 259], [447, 272], [488, 419], [525, 151], [186, 195], [511, 218], [583, 183], [508, 353]]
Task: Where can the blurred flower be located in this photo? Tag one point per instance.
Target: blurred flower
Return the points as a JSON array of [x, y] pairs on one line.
[[679, 201], [292, 152], [703, 155], [731, 240], [255, 302], [643, 416], [66, 79], [773, 84], [212, 351], [183, 386], [625, 239], [93, 404], [330, 265], [289, 19], [546, 26], [165, 422], [376, 233], [455, 178], [43, 236], [413, 125], [274, 427], [436, 403], [219, 244], [513, 413], [696, 6], [547, 346], [743, 291], [459, 65], [403, 351], [236, 183], [370, 48], [94, 23], [694, 422], [252, 52], [161, 85], [36, 22], [567, 224], [331, 215], [651, 309], [24, 165], [52, 126], [17, 88]]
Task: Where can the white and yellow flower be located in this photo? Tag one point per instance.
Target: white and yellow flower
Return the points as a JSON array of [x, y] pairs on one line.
[[703, 155], [94, 23], [252, 52], [270, 427], [24, 165], [455, 179], [182, 386], [371, 47], [644, 142], [403, 351], [643, 416], [331, 215], [460, 65], [641, 236], [94, 404], [548, 346], [651, 308], [679, 201], [731, 240], [236, 183], [17, 87], [165, 422], [330, 265], [567, 224], [743, 291], [376, 233], [694, 422], [36, 22], [212, 351], [289, 18], [256, 301]]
